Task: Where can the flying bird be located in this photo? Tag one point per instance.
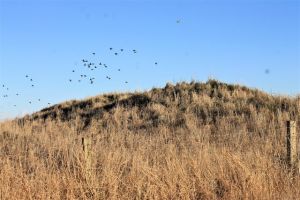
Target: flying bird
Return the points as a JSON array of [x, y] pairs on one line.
[[267, 71]]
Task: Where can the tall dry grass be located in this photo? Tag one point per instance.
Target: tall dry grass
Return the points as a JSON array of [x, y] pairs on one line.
[[185, 141]]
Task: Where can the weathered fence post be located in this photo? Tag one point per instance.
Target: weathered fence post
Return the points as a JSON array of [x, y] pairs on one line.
[[291, 139], [87, 150]]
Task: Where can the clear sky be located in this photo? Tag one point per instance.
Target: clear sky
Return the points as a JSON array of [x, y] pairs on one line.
[[255, 43]]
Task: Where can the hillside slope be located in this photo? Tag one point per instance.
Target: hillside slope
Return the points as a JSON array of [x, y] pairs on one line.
[[186, 141], [174, 105]]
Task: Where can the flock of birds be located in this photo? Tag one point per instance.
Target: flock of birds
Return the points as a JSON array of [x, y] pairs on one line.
[[89, 65], [31, 83], [92, 66], [86, 64]]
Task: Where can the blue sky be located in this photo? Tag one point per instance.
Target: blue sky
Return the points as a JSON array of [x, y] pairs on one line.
[[233, 41]]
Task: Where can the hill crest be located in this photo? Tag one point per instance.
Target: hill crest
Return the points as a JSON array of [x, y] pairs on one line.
[[205, 101]]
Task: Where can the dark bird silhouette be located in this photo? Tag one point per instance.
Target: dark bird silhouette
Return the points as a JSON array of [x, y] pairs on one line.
[[26, 76], [126, 82], [121, 49], [110, 48], [116, 54], [94, 53], [39, 99], [267, 71], [29, 102], [31, 79], [70, 80], [17, 94], [32, 85], [134, 51], [119, 70], [92, 80], [73, 70], [155, 63]]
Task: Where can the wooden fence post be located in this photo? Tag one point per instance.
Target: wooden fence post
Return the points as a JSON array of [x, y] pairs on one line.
[[291, 138], [87, 150]]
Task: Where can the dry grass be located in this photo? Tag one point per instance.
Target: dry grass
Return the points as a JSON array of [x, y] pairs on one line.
[[188, 141]]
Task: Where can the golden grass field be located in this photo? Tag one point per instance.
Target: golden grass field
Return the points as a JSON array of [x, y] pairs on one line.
[[185, 141]]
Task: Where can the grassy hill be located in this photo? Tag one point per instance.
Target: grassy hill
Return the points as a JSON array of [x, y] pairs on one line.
[[186, 141]]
